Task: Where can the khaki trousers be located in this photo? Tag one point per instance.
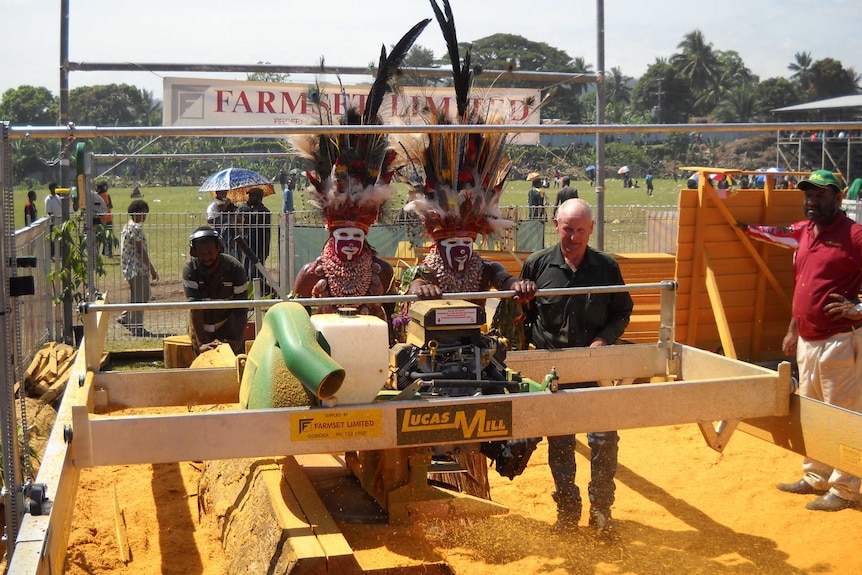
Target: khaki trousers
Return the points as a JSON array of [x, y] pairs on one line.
[[830, 370]]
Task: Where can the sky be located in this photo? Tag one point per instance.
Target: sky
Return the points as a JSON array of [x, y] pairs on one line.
[[766, 33]]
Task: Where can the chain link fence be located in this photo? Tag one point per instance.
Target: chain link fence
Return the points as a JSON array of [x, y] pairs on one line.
[[35, 313], [628, 229]]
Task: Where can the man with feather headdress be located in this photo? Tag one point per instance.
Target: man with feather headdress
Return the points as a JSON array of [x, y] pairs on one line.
[[456, 181], [455, 185], [350, 183]]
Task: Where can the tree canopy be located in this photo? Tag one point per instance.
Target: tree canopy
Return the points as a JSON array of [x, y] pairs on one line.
[[110, 105], [29, 105], [697, 83]]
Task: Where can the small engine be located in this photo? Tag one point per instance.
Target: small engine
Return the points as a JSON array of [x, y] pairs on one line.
[[446, 353]]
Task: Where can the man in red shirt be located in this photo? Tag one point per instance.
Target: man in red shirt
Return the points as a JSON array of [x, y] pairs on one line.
[[825, 331]]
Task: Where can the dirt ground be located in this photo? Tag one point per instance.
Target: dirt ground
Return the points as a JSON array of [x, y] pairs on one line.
[[680, 508]]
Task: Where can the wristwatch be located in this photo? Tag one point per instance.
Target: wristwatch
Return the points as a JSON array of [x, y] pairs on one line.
[[858, 308]]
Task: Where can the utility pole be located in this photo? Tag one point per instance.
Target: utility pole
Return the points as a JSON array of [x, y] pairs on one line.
[[656, 111], [600, 119]]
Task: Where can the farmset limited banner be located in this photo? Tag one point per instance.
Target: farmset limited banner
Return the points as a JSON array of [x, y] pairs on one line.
[[205, 102]]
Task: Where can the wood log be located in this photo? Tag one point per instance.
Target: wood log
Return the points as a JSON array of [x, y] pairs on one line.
[[52, 362], [271, 515], [58, 386], [222, 356], [35, 367]]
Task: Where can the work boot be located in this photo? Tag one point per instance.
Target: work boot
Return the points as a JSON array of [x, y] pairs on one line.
[[830, 502], [603, 523], [568, 510], [801, 487]]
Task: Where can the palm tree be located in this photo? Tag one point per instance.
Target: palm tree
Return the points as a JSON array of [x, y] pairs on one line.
[[738, 104], [618, 94], [697, 62], [580, 66], [857, 78], [730, 73], [801, 68], [154, 109], [616, 87]]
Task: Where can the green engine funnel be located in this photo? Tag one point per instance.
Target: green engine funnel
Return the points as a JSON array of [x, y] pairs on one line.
[[286, 351]]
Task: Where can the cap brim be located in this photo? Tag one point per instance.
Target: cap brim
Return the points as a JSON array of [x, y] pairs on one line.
[[805, 184]]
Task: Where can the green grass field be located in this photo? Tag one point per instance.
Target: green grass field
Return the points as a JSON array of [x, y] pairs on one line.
[[188, 200]]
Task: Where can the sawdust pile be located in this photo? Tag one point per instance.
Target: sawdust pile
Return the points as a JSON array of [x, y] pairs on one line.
[[681, 508]]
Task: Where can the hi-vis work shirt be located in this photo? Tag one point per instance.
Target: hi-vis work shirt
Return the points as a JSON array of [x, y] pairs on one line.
[[228, 283]]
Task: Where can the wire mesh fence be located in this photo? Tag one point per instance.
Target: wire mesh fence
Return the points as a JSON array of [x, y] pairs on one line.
[[35, 313], [628, 229]]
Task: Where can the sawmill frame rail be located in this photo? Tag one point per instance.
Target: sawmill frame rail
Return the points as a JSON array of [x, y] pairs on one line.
[[642, 386], [682, 383]]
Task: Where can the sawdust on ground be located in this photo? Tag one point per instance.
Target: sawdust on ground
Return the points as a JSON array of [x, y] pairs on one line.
[[680, 508]]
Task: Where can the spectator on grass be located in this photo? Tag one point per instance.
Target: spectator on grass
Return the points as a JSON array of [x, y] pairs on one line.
[[136, 266], [567, 192], [30, 212], [258, 228], [107, 218]]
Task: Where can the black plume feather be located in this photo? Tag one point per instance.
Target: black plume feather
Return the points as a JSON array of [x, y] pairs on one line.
[[461, 74], [388, 69]]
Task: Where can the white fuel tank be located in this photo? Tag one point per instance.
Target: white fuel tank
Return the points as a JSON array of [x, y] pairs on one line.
[[360, 344]]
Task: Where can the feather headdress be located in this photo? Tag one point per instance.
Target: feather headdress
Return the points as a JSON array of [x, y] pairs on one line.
[[350, 173], [456, 179]]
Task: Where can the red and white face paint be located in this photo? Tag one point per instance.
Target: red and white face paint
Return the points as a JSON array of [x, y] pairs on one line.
[[456, 252], [348, 242]]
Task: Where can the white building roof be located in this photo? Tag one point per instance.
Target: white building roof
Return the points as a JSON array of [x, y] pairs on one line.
[[853, 101]]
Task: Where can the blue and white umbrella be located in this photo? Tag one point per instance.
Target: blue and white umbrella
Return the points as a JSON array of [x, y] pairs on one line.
[[773, 170], [236, 182]]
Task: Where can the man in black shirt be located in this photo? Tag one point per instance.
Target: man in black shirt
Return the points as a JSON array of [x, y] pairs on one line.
[[589, 320], [567, 192]]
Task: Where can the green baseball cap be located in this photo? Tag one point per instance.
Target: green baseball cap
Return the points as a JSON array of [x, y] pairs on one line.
[[820, 179]]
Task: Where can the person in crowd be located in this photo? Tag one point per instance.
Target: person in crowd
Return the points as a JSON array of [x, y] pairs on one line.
[[536, 200], [220, 210], [567, 192], [95, 218], [825, 330], [99, 208], [287, 194], [258, 229], [53, 209], [212, 275], [223, 216], [590, 320], [31, 214], [107, 218], [136, 266]]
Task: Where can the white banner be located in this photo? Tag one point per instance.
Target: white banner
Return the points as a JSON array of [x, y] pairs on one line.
[[204, 102]]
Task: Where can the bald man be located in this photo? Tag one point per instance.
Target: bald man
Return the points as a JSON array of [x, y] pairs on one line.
[[592, 320]]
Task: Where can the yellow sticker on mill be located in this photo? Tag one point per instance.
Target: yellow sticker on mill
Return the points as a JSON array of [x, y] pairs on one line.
[[336, 424]]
